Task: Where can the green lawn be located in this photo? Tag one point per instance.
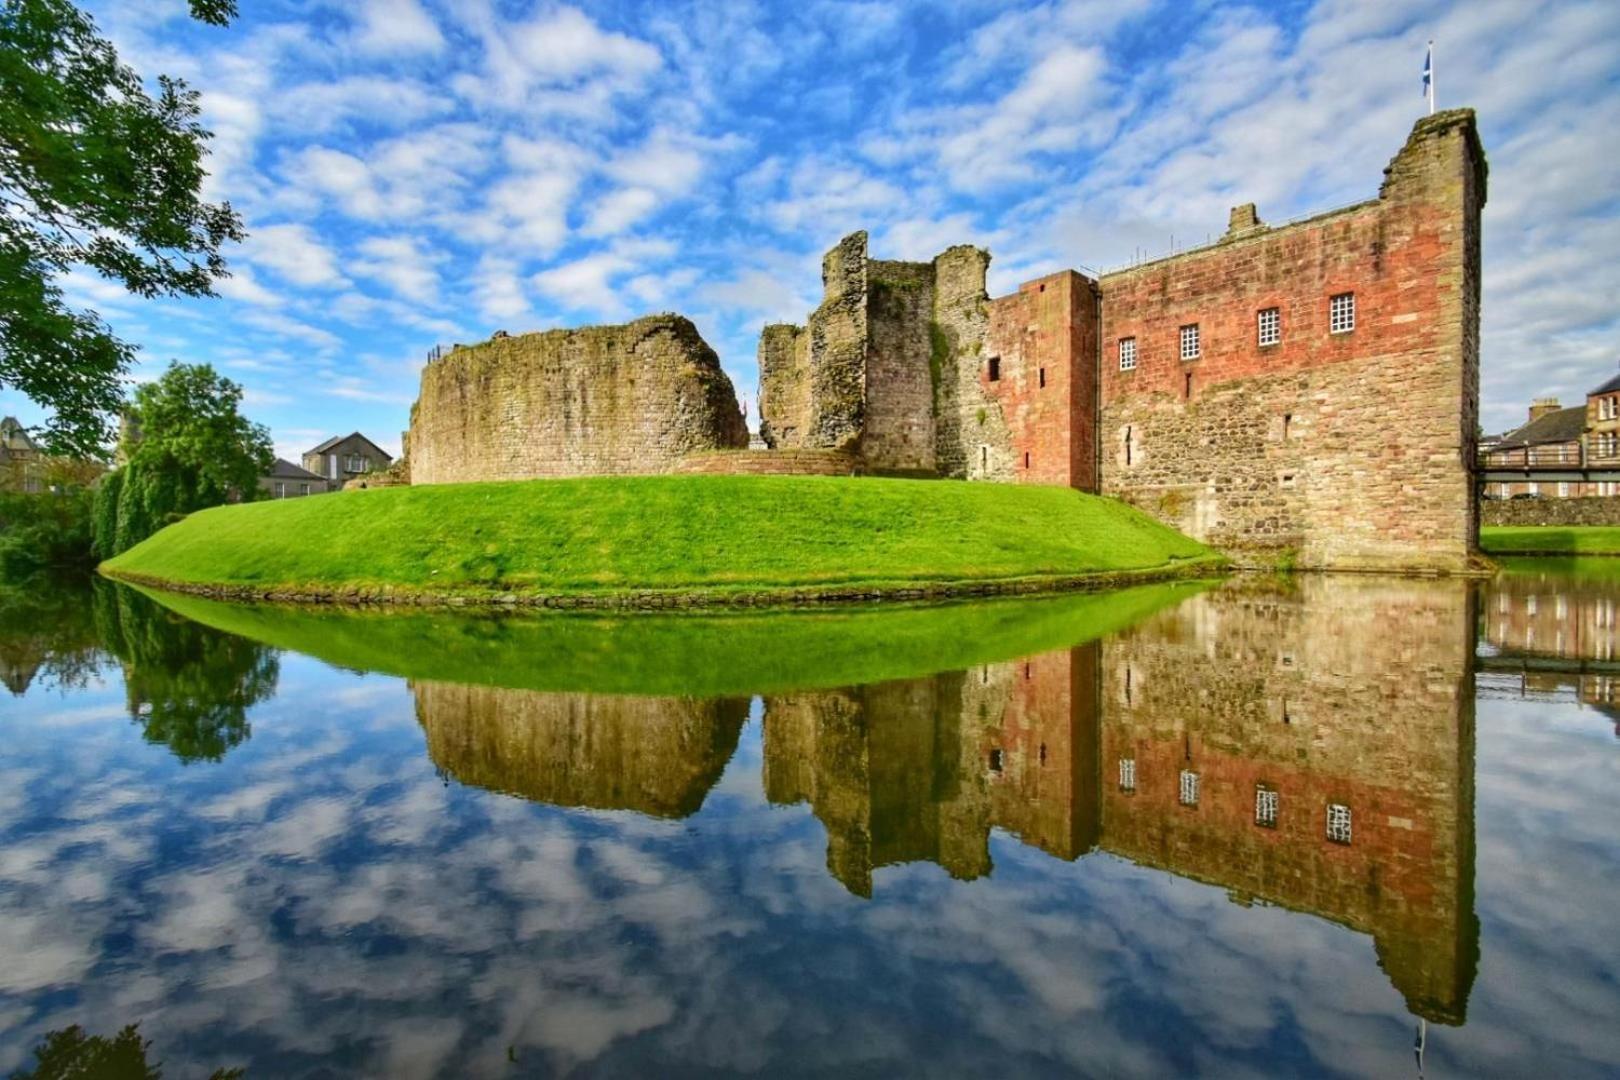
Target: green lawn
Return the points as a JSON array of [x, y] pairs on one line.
[[620, 534], [1550, 540]]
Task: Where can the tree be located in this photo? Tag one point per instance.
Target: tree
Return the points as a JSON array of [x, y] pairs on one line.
[[94, 172], [187, 447]]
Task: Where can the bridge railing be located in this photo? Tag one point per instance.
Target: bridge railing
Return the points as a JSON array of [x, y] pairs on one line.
[[1572, 455]]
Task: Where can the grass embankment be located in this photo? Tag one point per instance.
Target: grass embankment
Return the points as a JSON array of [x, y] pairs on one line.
[[1550, 540], [650, 540], [689, 654]]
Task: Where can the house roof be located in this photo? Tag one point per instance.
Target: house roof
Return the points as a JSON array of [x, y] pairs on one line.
[[334, 440], [286, 470], [13, 436], [1608, 387], [1564, 425]]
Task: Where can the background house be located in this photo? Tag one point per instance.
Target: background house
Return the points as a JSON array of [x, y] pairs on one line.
[[22, 466], [1581, 435], [289, 481], [346, 457], [27, 468]]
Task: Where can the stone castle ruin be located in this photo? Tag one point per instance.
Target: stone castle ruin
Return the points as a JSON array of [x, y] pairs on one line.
[[1305, 392]]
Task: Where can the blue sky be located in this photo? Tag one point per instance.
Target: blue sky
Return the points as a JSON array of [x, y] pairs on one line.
[[417, 172]]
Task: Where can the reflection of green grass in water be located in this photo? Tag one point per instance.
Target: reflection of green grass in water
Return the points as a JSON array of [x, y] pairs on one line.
[[1571, 571], [688, 655]]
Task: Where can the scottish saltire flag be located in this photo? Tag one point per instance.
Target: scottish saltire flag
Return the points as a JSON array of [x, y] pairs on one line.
[[1428, 71]]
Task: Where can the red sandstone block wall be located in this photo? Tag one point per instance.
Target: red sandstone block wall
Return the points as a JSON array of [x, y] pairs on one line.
[[1352, 449], [1044, 337]]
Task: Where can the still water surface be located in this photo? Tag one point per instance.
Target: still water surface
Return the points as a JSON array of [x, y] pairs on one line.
[[1328, 826]]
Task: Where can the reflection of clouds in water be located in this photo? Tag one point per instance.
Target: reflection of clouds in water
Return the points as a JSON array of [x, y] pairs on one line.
[[324, 894]]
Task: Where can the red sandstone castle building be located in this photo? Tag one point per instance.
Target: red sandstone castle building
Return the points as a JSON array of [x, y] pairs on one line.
[[1306, 391]]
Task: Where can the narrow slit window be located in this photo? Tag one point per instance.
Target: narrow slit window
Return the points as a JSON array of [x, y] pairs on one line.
[[1270, 326], [994, 374], [1026, 459], [1186, 390], [1043, 377], [1189, 342], [1342, 313], [1127, 446], [1127, 354], [995, 761]]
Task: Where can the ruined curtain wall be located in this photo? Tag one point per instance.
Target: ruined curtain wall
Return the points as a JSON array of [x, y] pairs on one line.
[[621, 400], [1351, 449]]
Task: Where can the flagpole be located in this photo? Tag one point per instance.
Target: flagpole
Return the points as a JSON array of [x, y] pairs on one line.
[[1431, 77]]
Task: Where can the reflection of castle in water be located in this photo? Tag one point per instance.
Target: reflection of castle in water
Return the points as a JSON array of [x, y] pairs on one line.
[[658, 756], [1288, 748], [1296, 749]]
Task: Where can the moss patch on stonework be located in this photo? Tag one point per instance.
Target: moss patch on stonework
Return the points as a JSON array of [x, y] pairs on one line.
[[657, 539]]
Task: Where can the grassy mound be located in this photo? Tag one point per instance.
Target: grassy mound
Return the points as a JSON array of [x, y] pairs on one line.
[[1550, 539], [622, 535]]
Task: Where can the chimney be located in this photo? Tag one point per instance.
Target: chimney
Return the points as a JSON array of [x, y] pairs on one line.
[[1244, 220], [1541, 407]]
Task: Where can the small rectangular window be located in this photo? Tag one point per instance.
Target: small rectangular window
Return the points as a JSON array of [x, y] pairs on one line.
[[303, 489], [1342, 313], [1338, 823], [1026, 459], [1189, 788], [1270, 326], [994, 373], [1265, 807], [281, 490], [1127, 775], [1127, 354], [1189, 342], [1043, 377]]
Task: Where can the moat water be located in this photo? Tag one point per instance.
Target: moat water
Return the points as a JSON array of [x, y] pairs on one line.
[[1322, 826]]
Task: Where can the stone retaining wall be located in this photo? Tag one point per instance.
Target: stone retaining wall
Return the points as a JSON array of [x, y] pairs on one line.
[[770, 463], [1594, 510]]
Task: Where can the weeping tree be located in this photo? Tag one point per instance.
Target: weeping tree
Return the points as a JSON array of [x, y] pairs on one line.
[[96, 173], [186, 447]]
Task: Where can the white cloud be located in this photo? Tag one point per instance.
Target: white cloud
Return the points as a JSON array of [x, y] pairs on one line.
[[397, 28], [295, 254], [243, 286], [399, 263], [617, 211]]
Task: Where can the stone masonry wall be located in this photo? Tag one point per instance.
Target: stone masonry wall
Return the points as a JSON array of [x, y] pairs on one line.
[[1586, 510], [971, 438], [602, 400], [1350, 449], [1044, 341], [898, 434]]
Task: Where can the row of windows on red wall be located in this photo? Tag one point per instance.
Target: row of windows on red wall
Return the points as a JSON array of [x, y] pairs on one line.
[[1268, 330]]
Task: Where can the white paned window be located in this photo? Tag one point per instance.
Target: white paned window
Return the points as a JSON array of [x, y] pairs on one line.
[[1270, 326], [1563, 489], [1189, 788], [1265, 807], [1189, 342], [1127, 774], [1127, 354], [1338, 823], [1342, 313]]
